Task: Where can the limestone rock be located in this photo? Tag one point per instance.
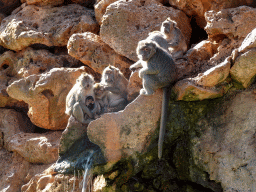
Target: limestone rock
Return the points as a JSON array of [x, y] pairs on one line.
[[197, 8], [43, 2], [11, 123], [249, 42], [226, 147], [233, 22], [127, 22], [134, 86], [128, 132], [37, 148], [187, 90], [100, 9], [44, 25], [7, 6], [92, 51], [46, 95], [215, 75], [244, 68]]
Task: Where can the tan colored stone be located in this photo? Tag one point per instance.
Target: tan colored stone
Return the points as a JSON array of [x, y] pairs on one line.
[[43, 2], [37, 148], [215, 75], [100, 9], [134, 86], [128, 132], [197, 8], [11, 123], [187, 90], [92, 51], [127, 22], [44, 25], [244, 68], [233, 22], [46, 95], [249, 42]]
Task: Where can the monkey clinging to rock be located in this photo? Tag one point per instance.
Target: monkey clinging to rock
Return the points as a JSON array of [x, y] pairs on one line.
[[158, 71]]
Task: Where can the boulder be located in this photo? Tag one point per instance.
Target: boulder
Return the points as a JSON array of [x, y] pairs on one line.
[[197, 8], [43, 2], [244, 68], [214, 75], [12, 123], [225, 148], [233, 22], [188, 90], [92, 51], [35, 147], [127, 22], [46, 95], [134, 86], [100, 9], [50, 26], [125, 133], [249, 42]]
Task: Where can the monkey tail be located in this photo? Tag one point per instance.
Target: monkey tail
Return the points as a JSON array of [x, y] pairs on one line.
[[163, 121]]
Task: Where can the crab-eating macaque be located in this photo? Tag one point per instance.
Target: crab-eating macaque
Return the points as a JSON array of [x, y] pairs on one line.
[[158, 71], [176, 42], [80, 99], [101, 96], [115, 82], [159, 38]]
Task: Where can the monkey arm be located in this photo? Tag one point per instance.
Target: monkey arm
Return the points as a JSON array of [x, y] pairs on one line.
[[147, 71], [136, 65], [114, 90], [86, 110]]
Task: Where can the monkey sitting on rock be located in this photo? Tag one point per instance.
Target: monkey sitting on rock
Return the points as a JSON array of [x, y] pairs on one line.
[[80, 99], [158, 71], [115, 88]]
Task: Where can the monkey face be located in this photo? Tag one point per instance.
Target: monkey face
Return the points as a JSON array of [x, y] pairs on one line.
[[87, 83], [166, 27], [99, 92], [109, 77], [146, 49]]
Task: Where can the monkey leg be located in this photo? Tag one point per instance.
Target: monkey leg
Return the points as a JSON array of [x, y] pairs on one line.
[[78, 113], [150, 84]]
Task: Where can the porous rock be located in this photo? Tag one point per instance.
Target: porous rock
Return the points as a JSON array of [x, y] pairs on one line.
[[11, 123], [233, 22], [43, 2], [46, 95], [44, 25], [197, 8], [100, 9], [244, 68], [125, 133], [188, 90], [127, 22], [214, 75], [92, 51], [35, 147], [249, 42]]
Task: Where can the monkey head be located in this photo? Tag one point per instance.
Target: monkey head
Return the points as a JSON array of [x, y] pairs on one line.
[[89, 102], [146, 49], [86, 81], [168, 25], [109, 75], [99, 90]]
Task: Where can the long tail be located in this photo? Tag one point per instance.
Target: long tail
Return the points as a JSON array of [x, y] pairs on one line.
[[163, 121]]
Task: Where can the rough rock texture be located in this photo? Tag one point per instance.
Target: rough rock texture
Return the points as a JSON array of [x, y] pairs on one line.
[[215, 75], [73, 132], [134, 86], [46, 95], [123, 134], [15, 171], [11, 123], [197, 8], [249, 42], [126, 23], [44, 25], [244, 69], [36, 148], [100, 9], [188, 90], [7, 6], [43, 2], [233, 23], [226, 147], [92, 51]]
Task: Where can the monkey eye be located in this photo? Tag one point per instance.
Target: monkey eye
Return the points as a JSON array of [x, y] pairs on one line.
[[146, 49]]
